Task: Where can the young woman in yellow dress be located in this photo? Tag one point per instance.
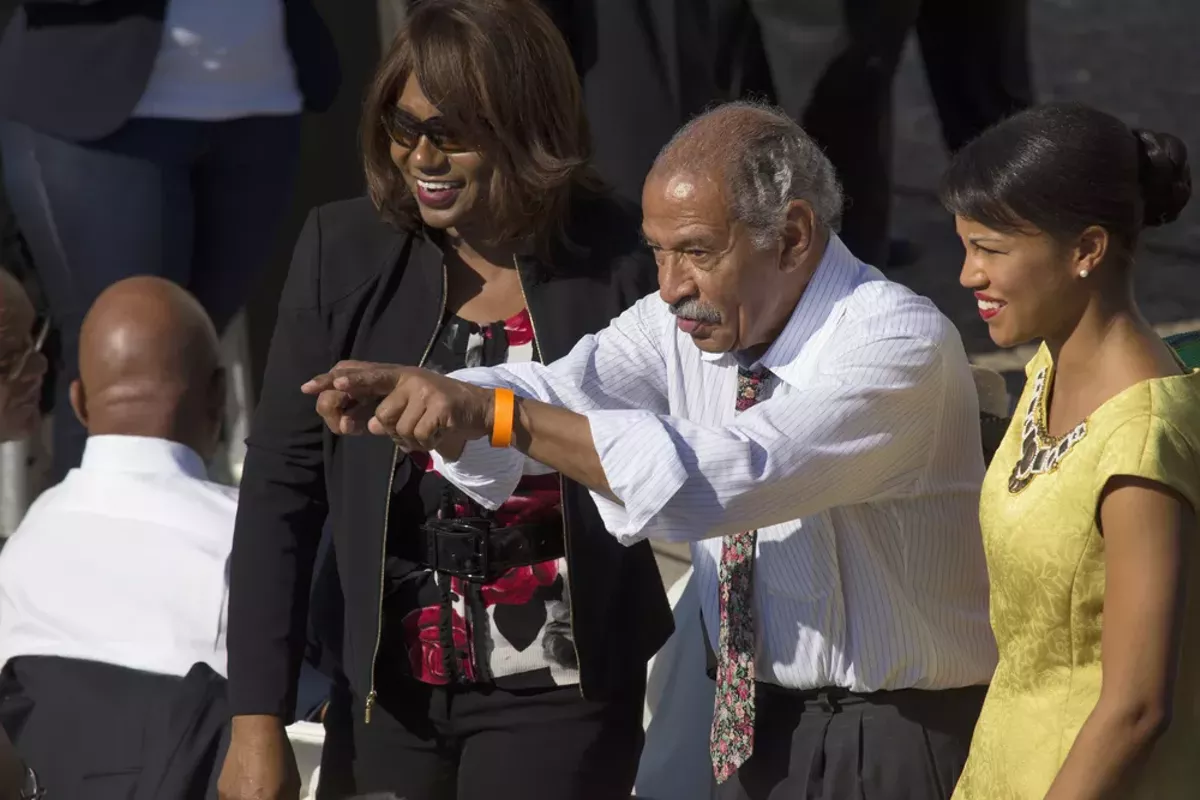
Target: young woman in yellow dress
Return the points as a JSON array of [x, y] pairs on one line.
[[1089, 507]]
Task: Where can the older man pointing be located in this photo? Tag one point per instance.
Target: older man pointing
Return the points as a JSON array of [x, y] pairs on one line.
[[809, 426]]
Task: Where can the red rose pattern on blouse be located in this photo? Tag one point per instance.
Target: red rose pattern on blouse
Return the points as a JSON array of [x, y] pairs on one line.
[[518, 586], [519, 329], [422, 629]]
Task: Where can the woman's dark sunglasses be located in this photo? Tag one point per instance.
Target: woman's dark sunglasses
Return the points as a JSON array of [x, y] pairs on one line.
[[406, 130]]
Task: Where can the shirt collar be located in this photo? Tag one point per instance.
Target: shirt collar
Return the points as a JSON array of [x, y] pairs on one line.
[[835, 275], [142, 454]]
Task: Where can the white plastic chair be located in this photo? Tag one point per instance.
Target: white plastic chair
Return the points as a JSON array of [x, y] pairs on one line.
[[307, 738]]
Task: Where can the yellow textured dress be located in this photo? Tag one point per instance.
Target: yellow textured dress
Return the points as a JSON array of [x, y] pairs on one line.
[[1046, 565]]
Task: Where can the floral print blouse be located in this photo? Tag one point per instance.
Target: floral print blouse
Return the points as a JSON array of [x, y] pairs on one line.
[[514, 632]]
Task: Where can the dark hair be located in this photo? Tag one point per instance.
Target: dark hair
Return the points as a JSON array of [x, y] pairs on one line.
[[1064, 167], [503, 78]]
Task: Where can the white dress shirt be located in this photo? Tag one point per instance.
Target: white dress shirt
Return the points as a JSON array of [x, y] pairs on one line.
[[220, 60], [124, 562], [860, 471]]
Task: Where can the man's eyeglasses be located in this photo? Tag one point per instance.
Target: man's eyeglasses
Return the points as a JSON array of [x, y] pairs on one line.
[[41, 330], [406, 130]]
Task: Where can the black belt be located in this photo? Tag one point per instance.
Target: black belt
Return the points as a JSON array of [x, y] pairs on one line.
[[915, 704], [473, 549]]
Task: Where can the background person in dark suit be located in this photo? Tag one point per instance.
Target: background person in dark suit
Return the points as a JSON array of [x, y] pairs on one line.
[[153, 137], [977, 64]]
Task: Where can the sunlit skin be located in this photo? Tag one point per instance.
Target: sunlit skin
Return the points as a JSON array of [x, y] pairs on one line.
[[469, 172], [729, 294], [1031, 287], [482, 286], [149, 365], [1028, 285]]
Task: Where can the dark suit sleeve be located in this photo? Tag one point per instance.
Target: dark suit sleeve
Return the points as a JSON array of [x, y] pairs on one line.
[[283, 502], [314, 55], [576, 21]]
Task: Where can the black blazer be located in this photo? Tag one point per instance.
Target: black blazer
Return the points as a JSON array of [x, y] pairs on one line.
[[359, 288], [77, 68], [104, 732]]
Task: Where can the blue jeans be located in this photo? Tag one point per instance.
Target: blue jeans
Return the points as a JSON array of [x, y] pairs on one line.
[[198, 203]]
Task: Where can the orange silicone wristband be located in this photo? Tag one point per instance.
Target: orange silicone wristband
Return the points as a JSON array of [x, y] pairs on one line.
[[503, 414]]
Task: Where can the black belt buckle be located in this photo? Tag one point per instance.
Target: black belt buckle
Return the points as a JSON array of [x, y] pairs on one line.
[[460, 547]]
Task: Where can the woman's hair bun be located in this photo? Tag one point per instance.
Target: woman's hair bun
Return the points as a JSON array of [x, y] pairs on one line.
[[1164, 175]]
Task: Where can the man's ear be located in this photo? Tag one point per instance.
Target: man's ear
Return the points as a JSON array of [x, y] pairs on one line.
[[799, 235], [79, 402]]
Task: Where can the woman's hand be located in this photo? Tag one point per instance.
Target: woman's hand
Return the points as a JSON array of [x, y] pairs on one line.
[[419, 409], [260, 764]]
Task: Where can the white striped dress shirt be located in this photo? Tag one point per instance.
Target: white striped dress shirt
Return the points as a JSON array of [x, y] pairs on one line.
[[860, 471]]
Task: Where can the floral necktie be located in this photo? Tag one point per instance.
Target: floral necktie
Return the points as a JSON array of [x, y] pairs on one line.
[[733, 718]]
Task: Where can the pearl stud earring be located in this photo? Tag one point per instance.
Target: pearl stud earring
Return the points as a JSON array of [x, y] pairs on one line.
[[1083, 273]]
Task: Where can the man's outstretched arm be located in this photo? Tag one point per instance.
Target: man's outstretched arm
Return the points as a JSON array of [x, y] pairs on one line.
[[621, 367], [857, 432], [861, 430]]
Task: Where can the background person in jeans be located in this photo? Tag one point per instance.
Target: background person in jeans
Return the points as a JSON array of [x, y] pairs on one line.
[[153, 137]]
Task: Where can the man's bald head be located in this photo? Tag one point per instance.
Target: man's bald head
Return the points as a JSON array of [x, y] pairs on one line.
[[764, 161], [149, 365]]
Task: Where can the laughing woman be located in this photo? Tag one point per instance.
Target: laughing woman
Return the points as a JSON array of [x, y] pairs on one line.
[[1089, 508], [498, 657]]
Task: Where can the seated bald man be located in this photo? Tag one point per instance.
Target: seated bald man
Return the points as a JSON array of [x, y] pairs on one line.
[[22, 365], [113, 589], [811, 427]]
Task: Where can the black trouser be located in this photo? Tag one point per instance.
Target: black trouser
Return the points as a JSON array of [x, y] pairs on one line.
[[198, 203], [831, 745], [976, 60], [436, 743]]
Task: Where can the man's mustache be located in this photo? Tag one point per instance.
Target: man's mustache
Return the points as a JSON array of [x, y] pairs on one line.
[[691, 308]]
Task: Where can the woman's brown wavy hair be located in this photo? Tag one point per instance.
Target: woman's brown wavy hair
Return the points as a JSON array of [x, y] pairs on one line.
[[503, 79]]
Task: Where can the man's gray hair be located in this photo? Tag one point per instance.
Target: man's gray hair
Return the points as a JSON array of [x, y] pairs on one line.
[[767, 161]]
